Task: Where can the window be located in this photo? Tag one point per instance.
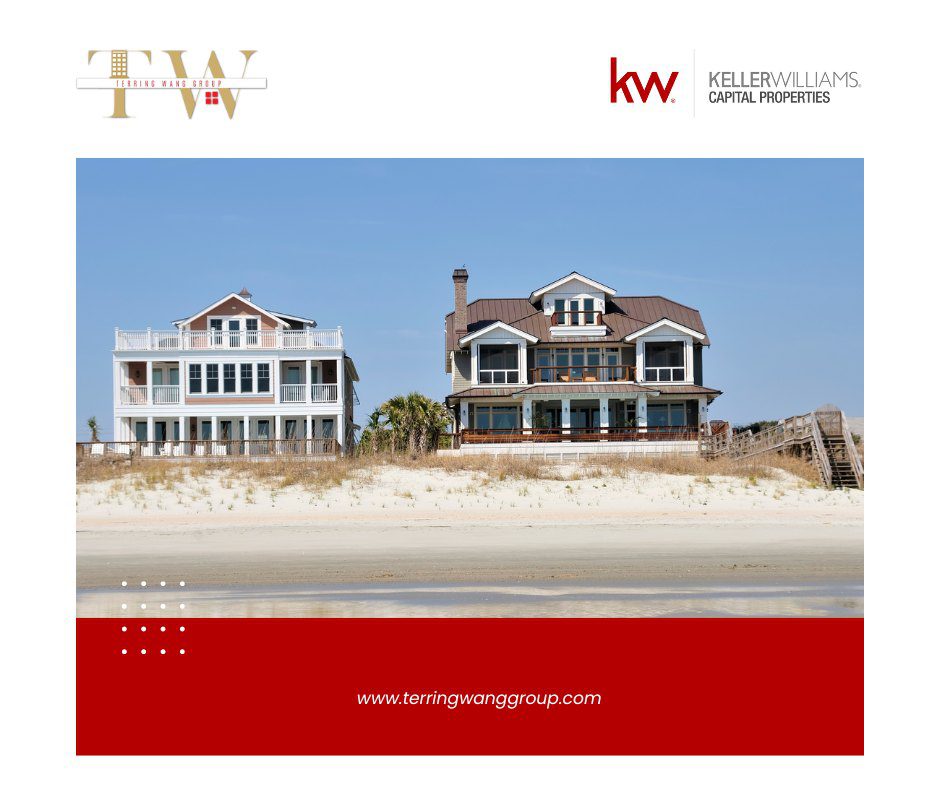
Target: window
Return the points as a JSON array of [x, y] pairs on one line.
[[543, 361], [668, 414], [251, 329], [574, 307], [612, 360], [560, 311], [212, 378], [589, 315], [215, 327], [264, 377], [247, 381], [327, 428], [290, 428], [206, 430], [493, 417], [664, 361], [499, 363], [228, 371], [195, 378]]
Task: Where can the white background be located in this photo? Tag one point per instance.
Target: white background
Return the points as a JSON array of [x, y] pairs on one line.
[[482, 79]]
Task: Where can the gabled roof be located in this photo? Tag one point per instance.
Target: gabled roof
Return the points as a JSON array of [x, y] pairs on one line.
[[665, 321], [273, 315], [536, 294], [625, 316], [466, 339]]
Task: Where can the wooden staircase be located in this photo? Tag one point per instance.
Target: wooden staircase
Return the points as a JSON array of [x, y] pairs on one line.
[[823, 434]]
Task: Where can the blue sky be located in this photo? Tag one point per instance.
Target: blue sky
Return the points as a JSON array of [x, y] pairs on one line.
[[770, 251]]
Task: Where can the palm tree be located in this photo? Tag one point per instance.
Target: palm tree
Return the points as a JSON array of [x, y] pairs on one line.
[[415, 422], [375, 431], [93, 427]]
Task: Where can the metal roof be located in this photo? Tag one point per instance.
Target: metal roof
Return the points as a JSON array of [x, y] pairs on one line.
[[625, 315]]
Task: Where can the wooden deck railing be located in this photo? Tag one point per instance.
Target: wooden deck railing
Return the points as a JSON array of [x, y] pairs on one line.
[[583, 374], [578, 434], [577, 318], [209, 449]]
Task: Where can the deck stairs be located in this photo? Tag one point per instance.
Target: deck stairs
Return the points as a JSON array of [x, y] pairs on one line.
[[822, 435]]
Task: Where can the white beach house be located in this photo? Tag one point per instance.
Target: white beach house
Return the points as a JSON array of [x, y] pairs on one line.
[[233, 378], [574, 364]]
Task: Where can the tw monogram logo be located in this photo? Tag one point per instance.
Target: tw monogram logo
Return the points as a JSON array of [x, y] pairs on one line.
[[213, 80], [621, 85]]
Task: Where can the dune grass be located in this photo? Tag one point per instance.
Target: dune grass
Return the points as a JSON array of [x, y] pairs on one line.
[[318, 475]]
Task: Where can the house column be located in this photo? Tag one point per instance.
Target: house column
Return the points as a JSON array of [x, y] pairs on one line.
[[150, 429], [183, 436], [308, 378], [464, 414], [246, 434], [215, 428], [641, 412], [278, 432], [605, 414], [703, 415], [640, 365], [276, 379], [527, 414], [341, 402], [309, 434], [150, 384], [118, 429], [566, 415]]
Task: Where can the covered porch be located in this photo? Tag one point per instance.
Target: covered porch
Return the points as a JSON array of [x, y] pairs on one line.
[[532, 417]]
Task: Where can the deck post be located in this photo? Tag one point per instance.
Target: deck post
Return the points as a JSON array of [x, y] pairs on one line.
[[183, 435], [605, 414], [566, 415], [309, 434], [641, 412], [526, 414], [150, 382], [246, 434]]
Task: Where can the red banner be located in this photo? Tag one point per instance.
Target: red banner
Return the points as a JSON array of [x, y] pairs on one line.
[[470, 686]]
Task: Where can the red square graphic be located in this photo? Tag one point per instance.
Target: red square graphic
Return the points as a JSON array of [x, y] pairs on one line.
[[212, 97]]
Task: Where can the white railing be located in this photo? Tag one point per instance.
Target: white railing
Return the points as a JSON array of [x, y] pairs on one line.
[[133, 395], [166, 395], [309, 339], [293, 392], [324, 392]]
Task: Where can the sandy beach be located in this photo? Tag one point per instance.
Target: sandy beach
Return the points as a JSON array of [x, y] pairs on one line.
[[434, 542]]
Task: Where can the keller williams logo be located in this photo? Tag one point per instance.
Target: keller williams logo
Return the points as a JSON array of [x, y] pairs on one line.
[[620, 85], [213, 82]]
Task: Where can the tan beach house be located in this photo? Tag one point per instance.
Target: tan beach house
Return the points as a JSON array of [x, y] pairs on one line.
[[233, 378], [574, 365]]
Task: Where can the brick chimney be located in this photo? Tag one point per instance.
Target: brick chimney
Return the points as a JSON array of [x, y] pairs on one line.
[[460, 301]]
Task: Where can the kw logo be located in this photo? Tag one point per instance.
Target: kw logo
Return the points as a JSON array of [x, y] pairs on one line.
[[213, 80], [622, 85]]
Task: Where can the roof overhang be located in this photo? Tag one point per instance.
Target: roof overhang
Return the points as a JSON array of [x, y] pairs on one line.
[[468, 338], [222, 300], [308, 320], [664, 323], [536, 294]]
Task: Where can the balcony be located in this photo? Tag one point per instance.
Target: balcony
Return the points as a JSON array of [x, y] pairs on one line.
[[162, 395], [586, 374], [319, 392], [265, 339], [569, 318]]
